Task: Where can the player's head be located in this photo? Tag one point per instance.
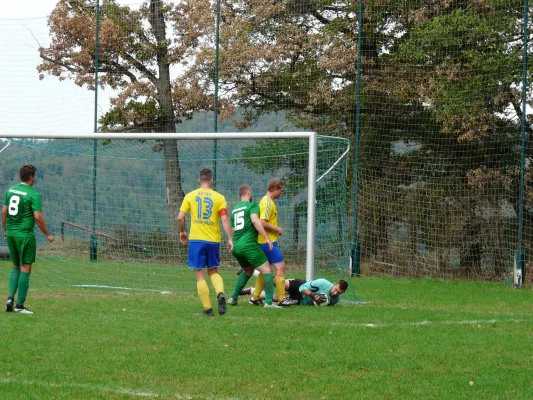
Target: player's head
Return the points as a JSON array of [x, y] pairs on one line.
[[276, 187], [245, 192], [338, 288], [27, 172], [206, 176]]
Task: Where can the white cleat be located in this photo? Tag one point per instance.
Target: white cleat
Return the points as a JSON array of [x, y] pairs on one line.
[[22, 310]]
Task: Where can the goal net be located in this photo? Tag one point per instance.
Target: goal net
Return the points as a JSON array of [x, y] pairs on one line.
[[112, 205]]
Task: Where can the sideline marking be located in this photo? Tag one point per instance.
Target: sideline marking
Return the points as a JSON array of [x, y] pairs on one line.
[[130, 392], [121, 288]]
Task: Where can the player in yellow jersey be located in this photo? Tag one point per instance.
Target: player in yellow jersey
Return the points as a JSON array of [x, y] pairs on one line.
[[206, 207], [268, 214]]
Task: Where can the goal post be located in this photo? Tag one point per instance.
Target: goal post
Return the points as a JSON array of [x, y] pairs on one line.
[[266, 144]]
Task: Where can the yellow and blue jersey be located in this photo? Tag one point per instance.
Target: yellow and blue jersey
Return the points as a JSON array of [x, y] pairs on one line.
[[269, 213], [205, 206]]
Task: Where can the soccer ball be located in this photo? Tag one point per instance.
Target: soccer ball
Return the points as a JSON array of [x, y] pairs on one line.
[[321, 300]]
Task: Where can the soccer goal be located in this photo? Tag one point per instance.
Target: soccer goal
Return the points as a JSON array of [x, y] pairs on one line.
[[112, 200]]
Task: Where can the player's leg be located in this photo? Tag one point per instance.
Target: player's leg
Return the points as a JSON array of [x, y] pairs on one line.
[[28, 252], [266, 271], [293, 289], [276, 259], [197, 262], [14, 274], [242, 280], [259, 286], [203, 292], [218, 284], [213, 262]]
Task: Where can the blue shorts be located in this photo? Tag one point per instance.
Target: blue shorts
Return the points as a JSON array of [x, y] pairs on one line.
[[202, 254], [273, 256]]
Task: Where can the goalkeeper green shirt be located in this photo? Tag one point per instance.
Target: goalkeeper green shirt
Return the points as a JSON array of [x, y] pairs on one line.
[[21, 201], [245, 232], [319, 286]]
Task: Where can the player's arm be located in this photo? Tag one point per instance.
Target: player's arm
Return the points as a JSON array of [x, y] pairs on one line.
[[271, 228], [39, 220], [226, 224], [184, 236], [259, 226], [4, 219], [305, 289]]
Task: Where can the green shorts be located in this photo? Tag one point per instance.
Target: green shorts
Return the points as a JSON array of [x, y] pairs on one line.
[[250, 254], [22, 249]]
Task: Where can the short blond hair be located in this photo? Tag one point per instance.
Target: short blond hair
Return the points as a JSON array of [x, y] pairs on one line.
[[275, 184]]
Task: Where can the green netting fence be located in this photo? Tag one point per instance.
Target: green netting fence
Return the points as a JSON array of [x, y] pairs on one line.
[[431, 98]]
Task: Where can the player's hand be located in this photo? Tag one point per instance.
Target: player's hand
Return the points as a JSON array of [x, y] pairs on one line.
[[184, 238], [50, 238], [281, 231], [229, 245], [270, 245]]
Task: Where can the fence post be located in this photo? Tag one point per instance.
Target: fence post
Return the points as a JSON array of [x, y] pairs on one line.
[[215, 106], [520, 262], [356, 247], [94, 241]]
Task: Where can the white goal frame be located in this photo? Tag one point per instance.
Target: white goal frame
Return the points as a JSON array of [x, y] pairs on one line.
[[311, 178]]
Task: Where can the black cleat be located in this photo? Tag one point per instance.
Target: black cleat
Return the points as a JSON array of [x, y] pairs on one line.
[[207, 313], [9, 305], [222, 307], [255, 302]]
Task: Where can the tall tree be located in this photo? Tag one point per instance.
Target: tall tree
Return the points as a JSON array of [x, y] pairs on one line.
[[139, 51], [441, 75]]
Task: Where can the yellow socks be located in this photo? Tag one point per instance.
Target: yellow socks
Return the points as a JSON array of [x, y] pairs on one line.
[[203, 292], [217, 282], [279, 282], [259, 285]]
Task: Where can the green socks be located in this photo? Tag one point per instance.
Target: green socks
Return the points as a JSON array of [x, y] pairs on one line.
[[269, 287], [24, 285], [13, 282], [242, 280]]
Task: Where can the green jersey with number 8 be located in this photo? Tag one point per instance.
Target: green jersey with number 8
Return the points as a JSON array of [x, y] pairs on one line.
[[245, 232], [21, 201]]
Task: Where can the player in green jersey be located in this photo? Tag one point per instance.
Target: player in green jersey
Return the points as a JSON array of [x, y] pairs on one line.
[[20, 212], [246, 224]]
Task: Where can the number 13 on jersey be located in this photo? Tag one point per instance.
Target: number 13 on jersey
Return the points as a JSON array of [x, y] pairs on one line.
[[208, 207]]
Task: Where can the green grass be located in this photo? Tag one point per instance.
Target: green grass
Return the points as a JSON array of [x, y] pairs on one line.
[[413, 339]]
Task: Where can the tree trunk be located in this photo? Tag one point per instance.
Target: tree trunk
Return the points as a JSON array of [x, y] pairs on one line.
[[470, 253], [167, 123]]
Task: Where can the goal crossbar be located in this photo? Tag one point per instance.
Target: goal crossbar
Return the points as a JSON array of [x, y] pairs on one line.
[[311, 179]]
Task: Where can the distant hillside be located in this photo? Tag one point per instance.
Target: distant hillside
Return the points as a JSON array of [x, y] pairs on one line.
[[204, 122]]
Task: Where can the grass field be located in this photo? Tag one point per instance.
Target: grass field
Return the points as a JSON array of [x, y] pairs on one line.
[[411, 339]]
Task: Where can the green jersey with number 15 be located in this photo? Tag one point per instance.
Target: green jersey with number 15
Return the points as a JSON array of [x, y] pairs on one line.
[[241, 221], [21, 201]]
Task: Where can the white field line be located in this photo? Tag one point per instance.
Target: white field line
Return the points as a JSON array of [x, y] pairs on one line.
[[429, 323], [120, 288], [99, 388], [105, 389]]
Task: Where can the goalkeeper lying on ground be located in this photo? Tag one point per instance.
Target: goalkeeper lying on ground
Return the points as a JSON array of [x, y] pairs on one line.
[[308, 293]]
